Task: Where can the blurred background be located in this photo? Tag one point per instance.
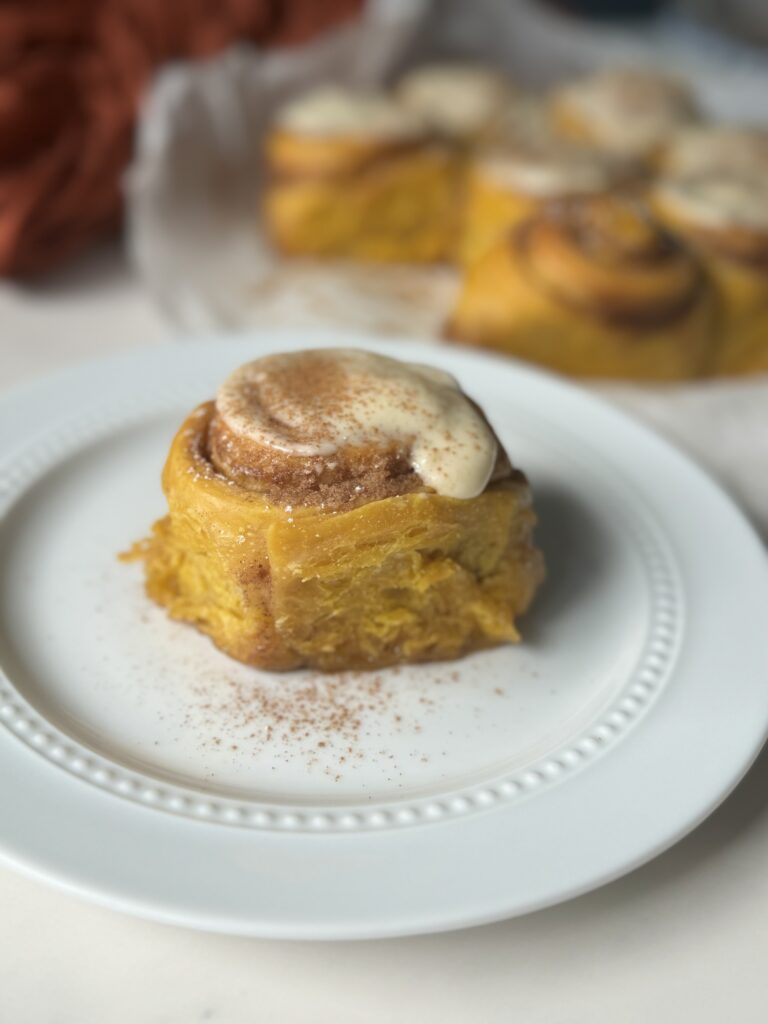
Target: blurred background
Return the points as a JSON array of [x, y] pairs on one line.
[[91, 88]]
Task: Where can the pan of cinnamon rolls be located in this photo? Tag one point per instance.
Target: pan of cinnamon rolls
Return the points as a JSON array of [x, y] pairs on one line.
[[339, 509], [605, 228]]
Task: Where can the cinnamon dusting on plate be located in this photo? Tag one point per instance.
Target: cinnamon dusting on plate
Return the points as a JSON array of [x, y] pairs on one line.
[[327, 722]]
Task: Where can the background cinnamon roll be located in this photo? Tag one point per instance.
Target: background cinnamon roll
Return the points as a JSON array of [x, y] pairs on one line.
[[459, 101], [591, 287], [508, 183], [358, 176], [339, 509], [723, 213], [625, 110]]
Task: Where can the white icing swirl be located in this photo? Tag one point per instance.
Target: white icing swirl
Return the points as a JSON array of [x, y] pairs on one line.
[[338, 112], [552, 169], [456, 99], [719, 198], [526, 121], [314, 403], [628, 110], [703, 147]]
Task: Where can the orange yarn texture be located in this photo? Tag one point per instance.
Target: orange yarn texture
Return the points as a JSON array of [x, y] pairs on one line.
[[72, 73]]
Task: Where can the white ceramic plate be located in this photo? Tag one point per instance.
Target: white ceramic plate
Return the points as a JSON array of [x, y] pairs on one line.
[[141, 767]]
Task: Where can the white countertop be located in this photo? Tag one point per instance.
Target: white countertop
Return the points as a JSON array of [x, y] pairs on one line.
[[684, 938]]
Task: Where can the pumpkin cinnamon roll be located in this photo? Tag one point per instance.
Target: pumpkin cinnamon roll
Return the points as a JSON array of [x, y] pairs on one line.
[[593, 288], [459, 101], [506, 184], [626, 110], [339, 509], [357, 176], [723, 213]]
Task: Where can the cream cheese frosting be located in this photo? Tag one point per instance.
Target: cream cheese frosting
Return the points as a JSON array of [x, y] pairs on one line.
[[719, 198], [315, 402], [455, 99], [628, 110], [702, 147], [335, 111], [551, 169]]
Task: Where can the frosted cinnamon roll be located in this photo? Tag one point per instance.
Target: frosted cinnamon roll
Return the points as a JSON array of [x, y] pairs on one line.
[[507, 184], [723, 214], [459, 101], [627, 110], [592, 288], [357, 176], [339, 509]]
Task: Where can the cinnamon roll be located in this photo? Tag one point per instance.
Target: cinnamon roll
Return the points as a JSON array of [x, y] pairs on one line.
[[506, 184], [723, 213], [591, 287], [358, 176], [460, 101], [626, 110], [339, 509]]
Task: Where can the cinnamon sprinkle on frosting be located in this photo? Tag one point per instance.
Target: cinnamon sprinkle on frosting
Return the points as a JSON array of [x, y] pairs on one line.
[[330, 413]]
